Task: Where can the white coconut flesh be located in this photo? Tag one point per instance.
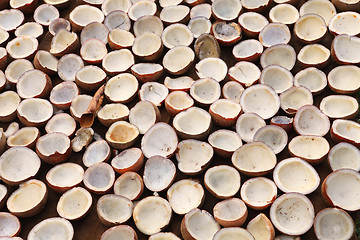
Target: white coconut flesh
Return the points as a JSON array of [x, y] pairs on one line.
[[93, 50], [30, 29], [17, 68], [118, 61], [129, 185], [281, 54], [114, 208], [294, 98], [80, 104], [119, 232], [245, 72], [126, 158], [185, 195], [32, 83], [178, 58], [174, 14], [84, 14], [3, 192], [179, 100], [160, 139], [164, 236], [22, 47], [339, 24], [18, 164], [57, 24], [226, 10], [74, 203], [4, 35], [122, 132], [193, 121], [9, 101], [142, 8], [143, 115], [345, 78], [64, 93], [310, 27], [231, 209], [121, 37], [99, 177], [153, 92], [109, 6], [274, 33], [148, 23], [96, 152], [313, 54], [324, 9], [201, 10], [247, 48], [65, 175], [177, 34], [253, 21], [51, 227], [179, 83], [309, 147], [258, 192], [146, 44], [292, 213], [309, 120], [117, 19], [11, 19], [296, 175], [199, 25], [284, 13], [224, 181], [225, 140], [212, 67], [247, 125], [121, 87], [23, 136], [45, 14], [90, 75], [342, 188], [206, 90], [347, 129], [192, 155], [232, 90], [274, 136], [113, 111], [151, 214], [167, 3], [233, 234], [260, 227], [53, 143], [252, 97], [159, 172], [312, 78], [35, 110], [68, 66], [344, 155], [336, 106], [146, 69], [254, 158], [200, 224], [29, 195], [95, 30], [287, 237], [334, 223], [277, 77], [254, 4], [10, 225], [62, 40]]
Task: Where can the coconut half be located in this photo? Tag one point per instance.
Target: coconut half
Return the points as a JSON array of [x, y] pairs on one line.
[[177, 34], [284, 13], [120, 38], [90, 78], [310, 28], [122, 231], [199, 25], [98, 151], [25, 137], [121, 88], [117, 19], [274, 136], [261, 227], [10, 19], [344, 155], [93, 51], [339, 106], [153, 92], [226, 33], [141, 8], [247, 125], [148, 46], [63, 42], [212, 67], [309, 120], [30, 29], [233, 233], [225, 112], [344, 79], [74, 203], [54, 148], [248, 50], [178, 101], [231, 212], [114, 209], [280, 54], [294, 98], [224, 142], [34, 112], [200, 10], [45, 62], [178, 60], [147, 72], [339, 23], [64, 176], [57, 24], [174, 14], [232, 90], [312, 78], [129, 185], [277, 77], [273, 34], [252, 23], [34, 83], [144, 115], [244, 72], [9, 102], [256, 6], [108, 6], [131, 159], [148, 23], [182, 83], [112, 112], [79, 105], [61, 95], [10, 225], [121, 135], [22, 47], [342, 49], [68, 65], [226, 10], [82, 15], [118, 61], [325, 9], [205, 91], [258, 193], [45, 14], [206, 46], [346, 131], [314, 55], [15, 69], [52, 227]]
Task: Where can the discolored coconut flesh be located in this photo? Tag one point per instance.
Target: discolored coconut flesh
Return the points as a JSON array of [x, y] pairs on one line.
[[252, 23], [274, 136], [231, 212], [284, 13], [122, 135], [153, 92], [147, 47], [248, 50], [10, 19], [112, 112], [206, 46], [309, 120], [224, 142], [312, 149], [296, 175], [182, 83], [225, 112], [273, 34], [9, 102], [232, 90], [248, 161], [257, 6], [280, 54], [312, 78], [65, 176], [22, 47], [199, 25], [79, 105], [339, 24], [177, 34], [142, 8], [339, 106], [74, 203], [148, 23], [310, 28], [178, 60], [294, 98], [277, 77], [52, 227], [291, 209], [93, 51], [18, 164], [185, 195], [261, 227], [15, 69], [178, 101], [344, 79], [54, 147], [252, 97], [120, 38], [226, 10], [25, 137], [227, 34], [121, 88], [131, 159], [30, 29], [98, 151], [45, 62], [175, 14], [122, 231], [198, 224], [34, 112], [346, 131], [233, 233], [344, 155], [64, 42], [82, 15], [247, 125], [57, 24], [340, 189], [258, 193], [159, 173], [205, 91], [10, 225], [34, 83], [29, 199], [118, 61], [68, 65], [325, 9], [129, 185], [117, 19], [334, 223], [152, 214], [45, 14], [61, 95], [114, 209], [144, 115], [164, 236], [212, 67], [314, 55], [200, 10], [244, 72]]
